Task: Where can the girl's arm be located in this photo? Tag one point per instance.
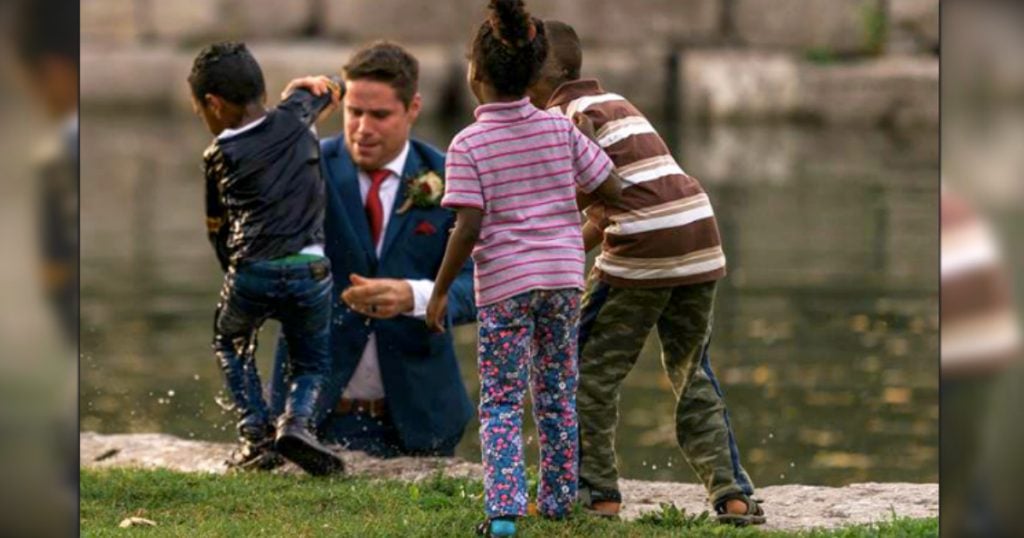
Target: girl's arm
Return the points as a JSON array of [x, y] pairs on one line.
[[460, 246], [610, 189], [592, 236]]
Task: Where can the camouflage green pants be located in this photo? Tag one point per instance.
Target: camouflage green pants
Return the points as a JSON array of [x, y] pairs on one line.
[[614, 326]]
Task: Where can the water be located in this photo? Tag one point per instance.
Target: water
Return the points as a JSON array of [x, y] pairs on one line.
[[825, 342]]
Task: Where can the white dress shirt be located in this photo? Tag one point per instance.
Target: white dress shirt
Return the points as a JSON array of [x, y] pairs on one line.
[[366, 383]]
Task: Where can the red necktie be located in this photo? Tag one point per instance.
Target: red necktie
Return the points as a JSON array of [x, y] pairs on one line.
[[374, 209]]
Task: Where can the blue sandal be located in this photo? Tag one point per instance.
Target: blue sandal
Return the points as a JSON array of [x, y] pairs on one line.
[[497, 528]]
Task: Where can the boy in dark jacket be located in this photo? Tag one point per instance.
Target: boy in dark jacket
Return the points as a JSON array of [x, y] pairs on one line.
[[264, 213]]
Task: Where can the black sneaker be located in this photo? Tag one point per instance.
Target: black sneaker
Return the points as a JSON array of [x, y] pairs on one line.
[[255, 457], [298, 444]]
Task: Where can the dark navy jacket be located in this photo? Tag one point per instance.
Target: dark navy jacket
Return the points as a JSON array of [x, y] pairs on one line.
[[426, 397]]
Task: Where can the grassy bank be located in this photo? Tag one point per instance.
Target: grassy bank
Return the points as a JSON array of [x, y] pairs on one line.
[[268, 505]]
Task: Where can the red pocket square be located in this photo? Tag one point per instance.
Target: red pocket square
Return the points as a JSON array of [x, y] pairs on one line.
[[425, 228]]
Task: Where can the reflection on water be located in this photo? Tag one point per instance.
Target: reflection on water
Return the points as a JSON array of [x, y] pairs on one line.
[[825, 334]]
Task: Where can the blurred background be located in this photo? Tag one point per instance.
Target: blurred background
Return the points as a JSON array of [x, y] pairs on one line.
[[38, 236], [812, 124], [982, 246]]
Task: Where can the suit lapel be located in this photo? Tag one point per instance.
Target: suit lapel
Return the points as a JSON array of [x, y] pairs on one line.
[[344, 171], [399, 222]]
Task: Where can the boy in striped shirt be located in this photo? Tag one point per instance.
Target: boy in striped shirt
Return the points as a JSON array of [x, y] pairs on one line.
[[660, 260]]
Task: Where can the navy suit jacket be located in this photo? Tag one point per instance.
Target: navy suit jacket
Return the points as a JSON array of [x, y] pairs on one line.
[[426, 396]]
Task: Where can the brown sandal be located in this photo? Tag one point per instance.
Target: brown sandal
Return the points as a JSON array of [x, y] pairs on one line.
[[753, 516]]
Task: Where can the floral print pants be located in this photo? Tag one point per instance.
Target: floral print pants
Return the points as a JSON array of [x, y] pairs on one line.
[[532, 338]]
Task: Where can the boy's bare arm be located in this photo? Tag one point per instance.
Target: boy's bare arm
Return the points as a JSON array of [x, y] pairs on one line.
[[460, 245]]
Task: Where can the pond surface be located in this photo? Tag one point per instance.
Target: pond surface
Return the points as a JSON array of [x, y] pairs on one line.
[[826, 333]]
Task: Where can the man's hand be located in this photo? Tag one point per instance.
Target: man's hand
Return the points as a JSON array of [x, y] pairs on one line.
[[437, 310], [318, 86], [378, 298], [583, 123]]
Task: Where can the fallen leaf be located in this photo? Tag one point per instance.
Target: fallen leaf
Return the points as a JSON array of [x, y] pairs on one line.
[[136, 522]]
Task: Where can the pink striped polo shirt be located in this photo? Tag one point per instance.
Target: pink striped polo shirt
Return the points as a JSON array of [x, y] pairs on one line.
[[521, 166]]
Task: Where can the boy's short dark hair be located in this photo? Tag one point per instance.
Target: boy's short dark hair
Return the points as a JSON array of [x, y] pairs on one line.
[[384, 61], [565, 48], [227, 70]]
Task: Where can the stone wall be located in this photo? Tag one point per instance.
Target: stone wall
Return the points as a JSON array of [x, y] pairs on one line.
[[863, 62]]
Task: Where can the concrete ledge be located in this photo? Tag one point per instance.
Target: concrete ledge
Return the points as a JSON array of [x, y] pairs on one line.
[[739, 85], [835, 26], [789, 507], [728, 85]]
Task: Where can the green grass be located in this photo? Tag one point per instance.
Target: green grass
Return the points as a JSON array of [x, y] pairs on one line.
[[197, 505]]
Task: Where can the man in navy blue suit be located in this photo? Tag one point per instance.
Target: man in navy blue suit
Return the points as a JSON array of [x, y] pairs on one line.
[[395, 387]]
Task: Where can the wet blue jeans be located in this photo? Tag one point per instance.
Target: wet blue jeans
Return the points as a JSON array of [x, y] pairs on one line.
[[298, 294]]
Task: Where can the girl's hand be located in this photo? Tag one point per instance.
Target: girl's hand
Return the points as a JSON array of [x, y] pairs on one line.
[[437, 311], [583, 123]]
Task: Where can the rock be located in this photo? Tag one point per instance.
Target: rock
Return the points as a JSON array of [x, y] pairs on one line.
[[110, 21], [639, 74], [913, 26], [649, 23], [447, 22], [737, 84], [830, 26], [261, 19], [186, 21], [789, 507], [133, 77], [599, 22], [898, 91]]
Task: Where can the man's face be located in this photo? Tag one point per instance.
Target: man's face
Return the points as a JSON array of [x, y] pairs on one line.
[[377, 123]]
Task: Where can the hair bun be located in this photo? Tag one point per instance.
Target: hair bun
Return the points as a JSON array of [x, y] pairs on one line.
[[511, 22]]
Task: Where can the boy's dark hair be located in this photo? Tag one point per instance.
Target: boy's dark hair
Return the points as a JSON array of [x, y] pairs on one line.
[[227, 70], [510, 47], [46, 28], [565, 48], [387, 62]]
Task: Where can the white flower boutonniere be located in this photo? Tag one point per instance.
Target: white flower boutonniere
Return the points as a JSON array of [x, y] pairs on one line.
[[424, 190]]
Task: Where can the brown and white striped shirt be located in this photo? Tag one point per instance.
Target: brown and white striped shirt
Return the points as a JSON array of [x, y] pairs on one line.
[[664, 232]]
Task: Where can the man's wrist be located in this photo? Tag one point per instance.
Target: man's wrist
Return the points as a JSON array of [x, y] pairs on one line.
[[421, 290]]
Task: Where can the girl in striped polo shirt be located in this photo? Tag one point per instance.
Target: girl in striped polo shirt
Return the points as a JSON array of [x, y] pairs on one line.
[[513, 178]]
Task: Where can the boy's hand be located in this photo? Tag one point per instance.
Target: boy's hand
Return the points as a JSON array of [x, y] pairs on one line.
[[437, 310], [583, 123]]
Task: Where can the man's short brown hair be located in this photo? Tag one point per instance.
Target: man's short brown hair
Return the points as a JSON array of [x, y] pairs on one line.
[[384, 61]]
